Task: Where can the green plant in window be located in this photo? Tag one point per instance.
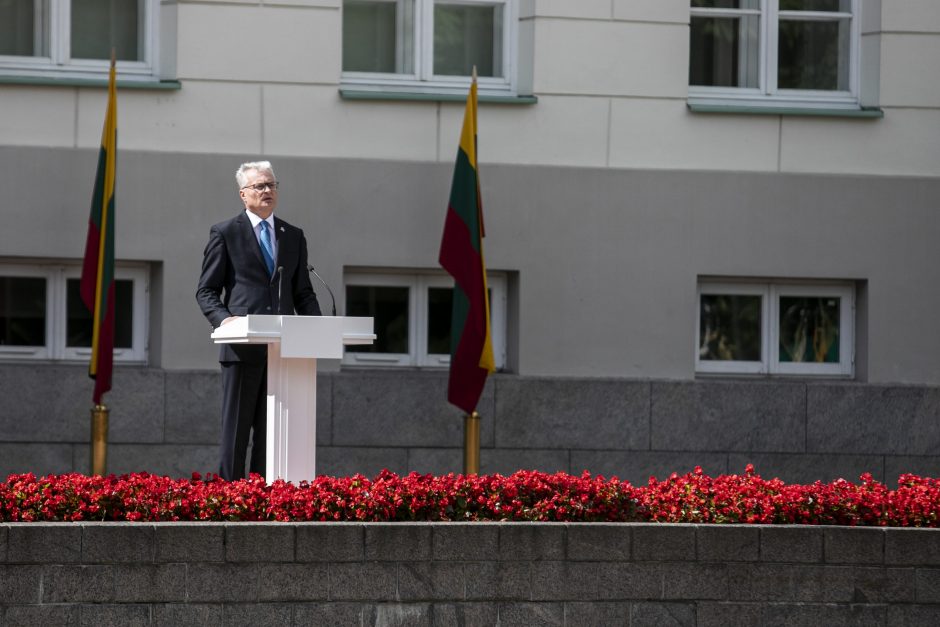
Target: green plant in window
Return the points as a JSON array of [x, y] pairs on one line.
[[730, 327], [809, 329]]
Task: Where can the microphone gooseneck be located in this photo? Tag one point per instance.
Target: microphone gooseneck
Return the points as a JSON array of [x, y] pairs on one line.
[[310, 268]]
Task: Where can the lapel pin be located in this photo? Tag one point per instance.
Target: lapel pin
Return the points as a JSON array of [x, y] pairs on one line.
[[282, 229]]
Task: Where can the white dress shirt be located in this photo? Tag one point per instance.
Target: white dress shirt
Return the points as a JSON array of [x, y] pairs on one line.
[[255, 224]]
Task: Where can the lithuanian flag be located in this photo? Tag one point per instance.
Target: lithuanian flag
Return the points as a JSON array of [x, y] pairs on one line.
[[471, 346], [97, 287]]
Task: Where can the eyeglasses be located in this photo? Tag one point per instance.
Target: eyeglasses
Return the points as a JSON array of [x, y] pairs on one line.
[[260, 187]]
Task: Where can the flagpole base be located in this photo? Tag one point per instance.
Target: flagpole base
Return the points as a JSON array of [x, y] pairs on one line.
[[99, 439], [471, 444]]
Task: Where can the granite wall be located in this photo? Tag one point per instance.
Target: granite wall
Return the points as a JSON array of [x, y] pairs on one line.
[[167, 422], [465, 574]]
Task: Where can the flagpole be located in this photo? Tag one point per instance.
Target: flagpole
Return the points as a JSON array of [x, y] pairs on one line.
[[471, 444], [99, 439]]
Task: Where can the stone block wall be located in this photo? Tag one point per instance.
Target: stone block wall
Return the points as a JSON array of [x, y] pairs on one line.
[[466, 574], [167, 422]]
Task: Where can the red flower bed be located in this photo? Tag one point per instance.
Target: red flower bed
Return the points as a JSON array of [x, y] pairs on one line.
[[524, 496]]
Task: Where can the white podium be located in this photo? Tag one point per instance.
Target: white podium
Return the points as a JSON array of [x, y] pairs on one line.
[[294, 345]]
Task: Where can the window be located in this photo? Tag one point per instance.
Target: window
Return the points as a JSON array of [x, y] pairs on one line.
[[429, 45], [794, 53], [777, 328], [412, 318], [73, 38], [42, 315]]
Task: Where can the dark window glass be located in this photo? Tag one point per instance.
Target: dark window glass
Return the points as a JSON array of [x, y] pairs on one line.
[[724, 51], [99, 25], [371, 37], [809, 329], [814, 55], [22, 311], [465, 36], [730, 327], [724, 4], [78, 322], [816, 5], [17, 28], [440, 310], [389, 307]]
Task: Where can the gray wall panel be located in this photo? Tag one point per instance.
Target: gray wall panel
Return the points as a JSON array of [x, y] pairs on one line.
[[729, 416], [639, 466], [899, 421], [607, 259], [370, 410], [803, 468], [401, 421], [571, 413], [193, 406], [44, 403]]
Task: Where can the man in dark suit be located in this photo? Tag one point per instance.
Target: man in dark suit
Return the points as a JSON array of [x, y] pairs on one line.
[[254, 263]]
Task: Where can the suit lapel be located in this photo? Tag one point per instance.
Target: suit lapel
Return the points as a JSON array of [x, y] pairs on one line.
[[251, 241], [282, 242]]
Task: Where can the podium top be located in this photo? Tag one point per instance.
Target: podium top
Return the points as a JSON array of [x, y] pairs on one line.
[[263, 329]]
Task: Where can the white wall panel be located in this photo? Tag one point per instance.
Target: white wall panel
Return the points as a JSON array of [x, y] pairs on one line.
[[323, 4], [314, 121], [911, 16], [905, 142], [870, 71], [652, 10], [583, 9], [556, 131], [39, 116], [664, 134], [252, 43], [616, 58], [910, 70], [330, 4], [255, 2], [871, 16], [201, 117]]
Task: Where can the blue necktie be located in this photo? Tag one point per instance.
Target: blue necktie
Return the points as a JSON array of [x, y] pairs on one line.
[[267, 251]]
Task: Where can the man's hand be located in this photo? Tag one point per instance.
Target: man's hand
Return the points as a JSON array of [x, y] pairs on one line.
[[229, 319]]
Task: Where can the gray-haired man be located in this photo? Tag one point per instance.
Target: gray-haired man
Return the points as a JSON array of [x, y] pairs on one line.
[[254, 263]]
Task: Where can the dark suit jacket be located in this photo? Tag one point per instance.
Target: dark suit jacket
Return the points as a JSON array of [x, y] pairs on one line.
[[235, 280]]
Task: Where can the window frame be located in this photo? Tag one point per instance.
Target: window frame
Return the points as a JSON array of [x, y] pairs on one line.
[[770, 293], [418, 285], [732, 367], [383, 359], [423, 79], [57, 276], [59, 63], [138, 350], [31, 352], [767, 93], [845, 365]]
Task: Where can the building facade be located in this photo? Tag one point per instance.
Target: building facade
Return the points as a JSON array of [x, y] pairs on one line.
[[711, 225]]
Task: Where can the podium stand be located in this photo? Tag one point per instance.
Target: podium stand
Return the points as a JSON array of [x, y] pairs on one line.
[[294, 345]]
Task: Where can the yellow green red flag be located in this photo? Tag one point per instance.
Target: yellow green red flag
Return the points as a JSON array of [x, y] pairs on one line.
[[471, 353], [97, 285]]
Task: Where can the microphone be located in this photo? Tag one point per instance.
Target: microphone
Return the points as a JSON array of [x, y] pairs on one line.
[[280, 282], [333, 298]]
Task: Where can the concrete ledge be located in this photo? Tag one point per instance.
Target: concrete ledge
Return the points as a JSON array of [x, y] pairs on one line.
[[465, 573]]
